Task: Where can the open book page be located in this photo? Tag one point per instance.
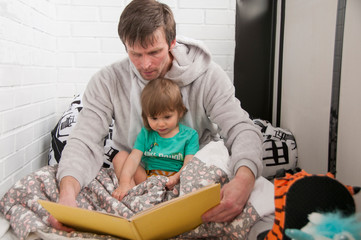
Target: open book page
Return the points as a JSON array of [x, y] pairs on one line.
[[164, 220]]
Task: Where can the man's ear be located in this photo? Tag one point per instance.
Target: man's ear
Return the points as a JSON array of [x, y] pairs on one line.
[[172, 44]]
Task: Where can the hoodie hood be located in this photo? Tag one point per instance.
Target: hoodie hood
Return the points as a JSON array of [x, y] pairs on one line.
[[191, 58]]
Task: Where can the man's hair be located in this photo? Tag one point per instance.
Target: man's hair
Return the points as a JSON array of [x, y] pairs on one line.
[[141, 18], [159, 96]]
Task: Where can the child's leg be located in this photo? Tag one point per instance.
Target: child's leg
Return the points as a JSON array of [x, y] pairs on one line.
[[140, 175], [118, 162]]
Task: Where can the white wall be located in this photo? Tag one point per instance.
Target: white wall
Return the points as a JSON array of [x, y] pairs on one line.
[[27, 87], [49, 49], [307, 78]]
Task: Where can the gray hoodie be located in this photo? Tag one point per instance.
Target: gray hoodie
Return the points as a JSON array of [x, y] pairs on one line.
[[114, 92]]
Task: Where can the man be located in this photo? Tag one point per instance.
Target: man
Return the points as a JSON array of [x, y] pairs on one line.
[[147, 29]]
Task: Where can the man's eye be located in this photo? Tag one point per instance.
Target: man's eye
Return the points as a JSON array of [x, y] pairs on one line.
[[154, 53], [136, 54]]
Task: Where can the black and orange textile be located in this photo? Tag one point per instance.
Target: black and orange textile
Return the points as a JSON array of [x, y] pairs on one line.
[[297, 195]]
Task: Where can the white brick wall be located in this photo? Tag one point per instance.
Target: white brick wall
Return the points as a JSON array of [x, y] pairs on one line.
[[49, 49], [27, 86]]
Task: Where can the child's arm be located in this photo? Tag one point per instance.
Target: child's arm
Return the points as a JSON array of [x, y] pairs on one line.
[[173, 180], [126, 180]]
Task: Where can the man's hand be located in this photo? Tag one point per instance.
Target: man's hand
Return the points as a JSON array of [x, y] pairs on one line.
[[69, 189], [234, 196]]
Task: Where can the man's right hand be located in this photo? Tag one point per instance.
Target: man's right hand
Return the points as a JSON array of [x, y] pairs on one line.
[[69, 190]]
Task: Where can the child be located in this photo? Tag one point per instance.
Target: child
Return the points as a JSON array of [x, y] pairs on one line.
[[163, 146]]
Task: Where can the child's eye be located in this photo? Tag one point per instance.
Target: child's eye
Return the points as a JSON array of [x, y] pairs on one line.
[[167, 117]]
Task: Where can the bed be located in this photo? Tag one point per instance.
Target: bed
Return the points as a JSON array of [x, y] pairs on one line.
[[23, 217]]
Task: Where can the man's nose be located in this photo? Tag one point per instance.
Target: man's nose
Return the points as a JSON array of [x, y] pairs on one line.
[[146, 62]]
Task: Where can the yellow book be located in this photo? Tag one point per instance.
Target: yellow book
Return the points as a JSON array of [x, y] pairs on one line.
[[165, 220]]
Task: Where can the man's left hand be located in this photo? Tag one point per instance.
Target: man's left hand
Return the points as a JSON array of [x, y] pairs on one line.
[[234, 196]]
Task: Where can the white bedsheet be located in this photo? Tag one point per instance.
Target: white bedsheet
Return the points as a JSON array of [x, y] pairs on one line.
[[5, 231], [262, 196]]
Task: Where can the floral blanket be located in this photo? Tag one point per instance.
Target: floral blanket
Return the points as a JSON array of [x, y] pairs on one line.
[[27, 217]]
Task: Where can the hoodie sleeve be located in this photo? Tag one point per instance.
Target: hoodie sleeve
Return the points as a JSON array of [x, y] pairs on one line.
[[83, 154], [242, 139]]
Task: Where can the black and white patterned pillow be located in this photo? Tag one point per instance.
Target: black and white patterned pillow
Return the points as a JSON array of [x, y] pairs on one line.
[[279, 149], [60, 134]]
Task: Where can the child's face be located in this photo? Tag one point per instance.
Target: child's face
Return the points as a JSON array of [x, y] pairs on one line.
[[166, 124]]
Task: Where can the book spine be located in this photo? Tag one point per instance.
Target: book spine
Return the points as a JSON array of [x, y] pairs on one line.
[[135, 231]]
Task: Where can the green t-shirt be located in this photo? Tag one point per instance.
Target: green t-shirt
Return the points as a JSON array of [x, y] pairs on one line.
[[166, 154]]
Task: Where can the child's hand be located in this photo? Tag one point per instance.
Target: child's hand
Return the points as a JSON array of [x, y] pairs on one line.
[[121, 191], [172, 181]]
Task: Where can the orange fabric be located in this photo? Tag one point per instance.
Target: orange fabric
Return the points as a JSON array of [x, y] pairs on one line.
[[159, 172], [282, 186]]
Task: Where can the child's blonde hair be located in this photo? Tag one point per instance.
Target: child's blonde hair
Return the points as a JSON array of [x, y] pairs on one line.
[[159, 96]]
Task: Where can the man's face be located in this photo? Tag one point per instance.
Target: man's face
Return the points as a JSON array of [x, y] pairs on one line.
[[153, 61]]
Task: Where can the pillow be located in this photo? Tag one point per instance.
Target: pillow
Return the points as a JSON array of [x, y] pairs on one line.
[[279, 149], [60, 134]]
